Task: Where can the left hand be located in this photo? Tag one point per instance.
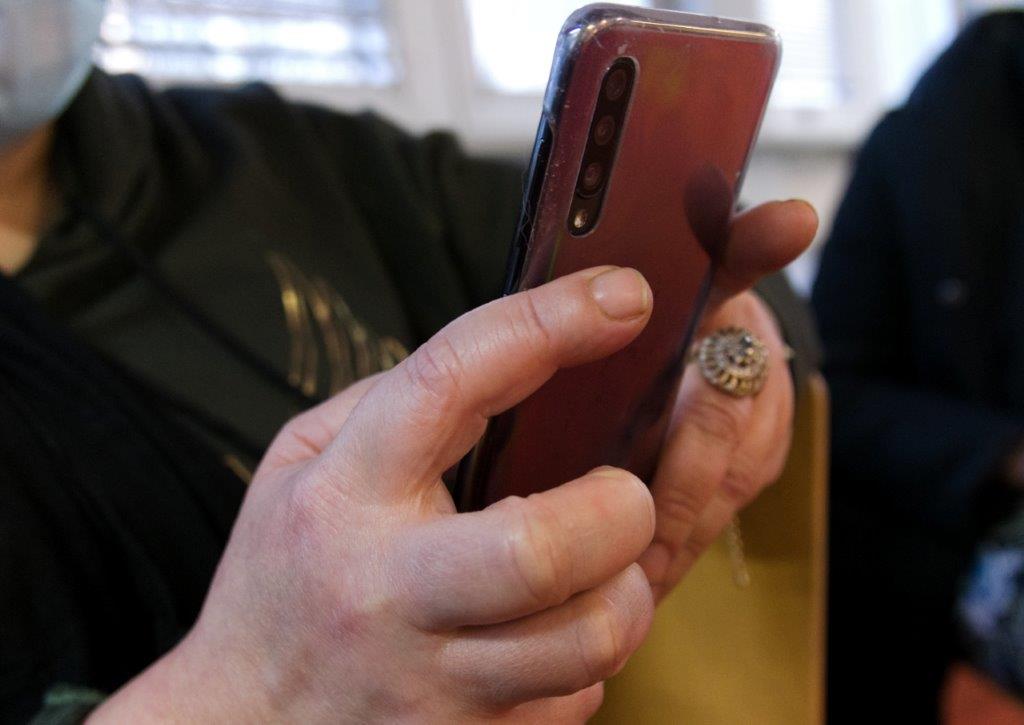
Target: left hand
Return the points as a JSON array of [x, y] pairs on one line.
[[721, 451]]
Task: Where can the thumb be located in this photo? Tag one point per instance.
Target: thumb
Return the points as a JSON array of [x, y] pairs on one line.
[[306, 435], [426, 413], [763, 240]]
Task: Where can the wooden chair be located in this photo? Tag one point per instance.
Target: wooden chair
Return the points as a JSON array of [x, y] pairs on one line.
[[718, 653]]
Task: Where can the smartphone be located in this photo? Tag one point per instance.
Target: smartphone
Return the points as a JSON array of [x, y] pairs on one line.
[[649, 118]]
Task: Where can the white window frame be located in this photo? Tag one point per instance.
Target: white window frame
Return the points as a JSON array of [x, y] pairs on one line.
[[441, 90]]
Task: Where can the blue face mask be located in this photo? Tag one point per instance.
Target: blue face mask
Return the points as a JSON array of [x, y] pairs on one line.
[[45, 56]]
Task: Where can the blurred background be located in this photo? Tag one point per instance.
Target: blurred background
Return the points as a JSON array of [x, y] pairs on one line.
[[478, 67]]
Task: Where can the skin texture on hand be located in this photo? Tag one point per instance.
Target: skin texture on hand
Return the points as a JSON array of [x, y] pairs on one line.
[[720, 452], [351, 590]]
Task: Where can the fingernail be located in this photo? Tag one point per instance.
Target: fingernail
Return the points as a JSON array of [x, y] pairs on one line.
[[621, 293], [806, 203], [617, 474]]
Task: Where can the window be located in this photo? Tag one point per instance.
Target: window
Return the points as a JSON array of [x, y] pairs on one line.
[[843, 61], [810, 74], [479, 67], [315, 42], [513, 43]]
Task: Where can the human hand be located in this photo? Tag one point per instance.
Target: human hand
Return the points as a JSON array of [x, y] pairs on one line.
[[721, 451], [351, 590]]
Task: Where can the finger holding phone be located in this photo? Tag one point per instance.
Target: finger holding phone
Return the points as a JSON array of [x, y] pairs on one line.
[[351, 590], [721, 449], [648, 123]]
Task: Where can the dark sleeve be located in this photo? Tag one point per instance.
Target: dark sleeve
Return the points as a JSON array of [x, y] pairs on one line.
[[896, 443], [795, 323], [479, 198], [431, 207]]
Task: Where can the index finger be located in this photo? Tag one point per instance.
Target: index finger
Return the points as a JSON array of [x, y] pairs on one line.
[[523, 555], [426, 413], [762, 240]]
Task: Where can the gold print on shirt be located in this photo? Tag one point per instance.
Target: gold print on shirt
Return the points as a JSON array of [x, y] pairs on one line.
[[318, 318]]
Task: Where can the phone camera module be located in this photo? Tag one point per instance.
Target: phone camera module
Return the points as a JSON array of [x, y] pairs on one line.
[[597, 166], [592, 177], [604, 130], [615, 84]]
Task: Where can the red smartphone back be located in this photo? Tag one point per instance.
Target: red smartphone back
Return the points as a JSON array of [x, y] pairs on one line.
[[698, 93]]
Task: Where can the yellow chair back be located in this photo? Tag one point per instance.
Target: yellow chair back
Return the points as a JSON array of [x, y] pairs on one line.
[[718, 653]]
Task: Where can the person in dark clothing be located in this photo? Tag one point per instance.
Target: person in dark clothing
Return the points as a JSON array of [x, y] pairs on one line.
[[112, 519], [919, 305], [184, 272], [245, 201]]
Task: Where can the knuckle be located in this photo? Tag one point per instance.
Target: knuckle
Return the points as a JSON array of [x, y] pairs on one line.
[[306, 432], [749, 473], [434, 373], [693, 547], [308, 505], [529, 320], [681, 502], [296, 422], [716, 419], [353, 618], [739, 487], [536, 551]]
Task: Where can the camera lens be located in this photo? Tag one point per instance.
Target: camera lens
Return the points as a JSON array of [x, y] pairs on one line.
[[615, 84], [593, 175], [604, 130]]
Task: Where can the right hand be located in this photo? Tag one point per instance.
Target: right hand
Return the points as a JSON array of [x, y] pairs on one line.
[[351, 590]]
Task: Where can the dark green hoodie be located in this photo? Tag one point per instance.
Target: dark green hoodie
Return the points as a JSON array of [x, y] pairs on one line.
[[325, 244], [215, 247], [233, 257]]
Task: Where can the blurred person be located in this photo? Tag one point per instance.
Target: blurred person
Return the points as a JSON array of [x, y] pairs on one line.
[[990, 612], [922, 320], [183, 272]]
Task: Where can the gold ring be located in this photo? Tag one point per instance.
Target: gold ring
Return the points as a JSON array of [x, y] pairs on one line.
[[733, 360]]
